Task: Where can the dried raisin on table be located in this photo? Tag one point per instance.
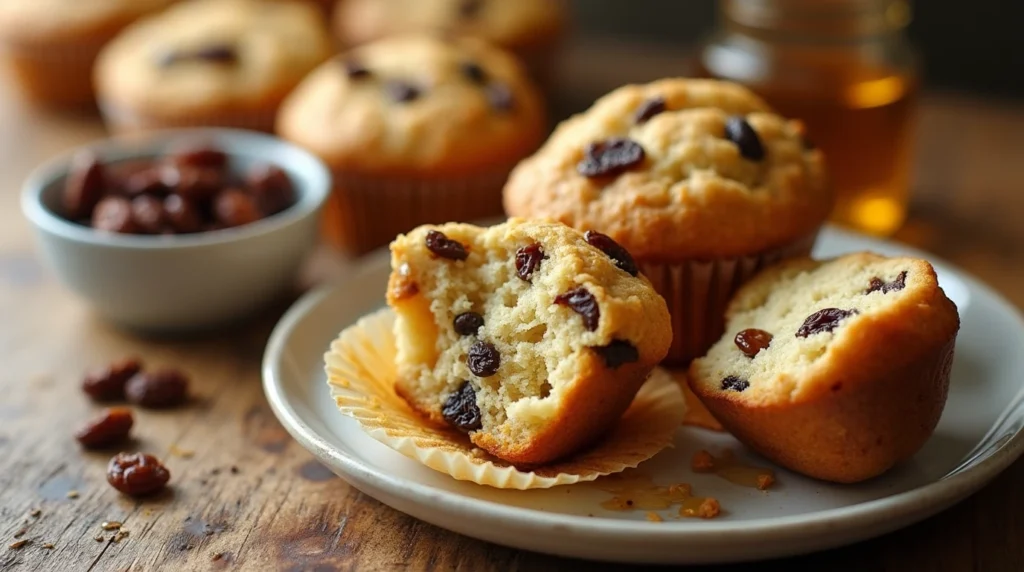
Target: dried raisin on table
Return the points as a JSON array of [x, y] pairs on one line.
[[158, 389], [108, 383], [111, 427], [137, 474]]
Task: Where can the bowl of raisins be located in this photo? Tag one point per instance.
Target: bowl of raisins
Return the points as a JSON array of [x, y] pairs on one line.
[[178, 230]]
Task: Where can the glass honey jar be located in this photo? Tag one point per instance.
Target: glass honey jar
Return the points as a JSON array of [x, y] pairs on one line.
[[846, 69]]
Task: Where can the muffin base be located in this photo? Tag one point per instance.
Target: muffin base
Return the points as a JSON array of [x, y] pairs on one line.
[[54, 75], [366, 212], [698, 291], [851, 435], [120, 119]]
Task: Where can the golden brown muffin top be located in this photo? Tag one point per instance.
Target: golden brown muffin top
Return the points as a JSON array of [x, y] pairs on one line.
[[207, 54], [677, 169], [508, 23], [418, 105]]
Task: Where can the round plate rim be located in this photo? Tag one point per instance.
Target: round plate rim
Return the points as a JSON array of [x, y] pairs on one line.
[[915, 504]]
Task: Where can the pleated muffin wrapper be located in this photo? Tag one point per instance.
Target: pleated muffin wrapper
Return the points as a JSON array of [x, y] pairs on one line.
[[698, 291], [55, 74], [121, 119], [367, 211], [361, 372]]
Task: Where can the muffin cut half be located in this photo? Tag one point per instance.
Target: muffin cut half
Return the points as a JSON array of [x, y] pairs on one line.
[[530, 336], [836, 369]]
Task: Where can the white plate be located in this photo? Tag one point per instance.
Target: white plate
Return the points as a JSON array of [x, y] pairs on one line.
[[979, 435]]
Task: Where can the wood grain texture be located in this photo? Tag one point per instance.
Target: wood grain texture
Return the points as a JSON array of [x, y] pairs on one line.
[[280, 510]]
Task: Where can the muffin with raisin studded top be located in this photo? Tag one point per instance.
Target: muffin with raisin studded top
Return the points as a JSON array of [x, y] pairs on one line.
[[226, 63], [416, 130], [699, 179]]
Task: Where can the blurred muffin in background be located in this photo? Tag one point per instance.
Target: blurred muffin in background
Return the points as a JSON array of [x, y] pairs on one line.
[[530, 28], [326, 6], [225, 63], [50, 45], [416, 129]]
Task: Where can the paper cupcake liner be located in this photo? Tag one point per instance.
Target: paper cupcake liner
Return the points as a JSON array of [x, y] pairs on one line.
[[361, 372], [54, 75], [122, 120], [698, 292], [366, 212], [696, 414]]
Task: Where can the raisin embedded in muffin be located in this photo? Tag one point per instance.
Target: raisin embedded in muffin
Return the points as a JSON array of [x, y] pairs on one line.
[[526, 335], [835, 369]]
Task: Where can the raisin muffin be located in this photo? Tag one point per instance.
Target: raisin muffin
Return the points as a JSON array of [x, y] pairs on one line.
[[697, 178], [50, 45], [530, 336], [532, 29], [416, 130], [225, 63], [835, 369]]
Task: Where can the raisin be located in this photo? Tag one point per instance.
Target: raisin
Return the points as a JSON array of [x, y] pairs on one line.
[[445, 247], [148, 214], [233, 207], [114, 214], [111, 427], [217, 54], [500, 97], [877, 284], [484, 359], [401, 91], [473, 72], [649, 109], [614, 250], [617, 353], [824, 320], [610, 157], [752, 340], [108, 384], [137, 474], [182, 215], [743, 135], [200, 157], [467, 323], [193, 183], [528, 259], [158, 389], [734, 383], [144, 182], [460, 408], [355, 69], [583, 303], [271, 187], [83, 187]]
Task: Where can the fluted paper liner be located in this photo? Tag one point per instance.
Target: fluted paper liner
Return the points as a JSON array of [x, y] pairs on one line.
[[361, 373], [698, 292]]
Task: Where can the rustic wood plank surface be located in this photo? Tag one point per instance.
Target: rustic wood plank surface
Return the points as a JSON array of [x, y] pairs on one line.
[[250, 498]]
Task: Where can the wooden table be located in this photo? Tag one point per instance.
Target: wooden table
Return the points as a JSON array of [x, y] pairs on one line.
[[250, 498]]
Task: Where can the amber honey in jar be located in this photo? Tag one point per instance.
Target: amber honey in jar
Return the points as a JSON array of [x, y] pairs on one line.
[[845, 68]]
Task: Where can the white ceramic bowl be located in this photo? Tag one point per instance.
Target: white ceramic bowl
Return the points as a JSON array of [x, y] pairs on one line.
[[181, 283]]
